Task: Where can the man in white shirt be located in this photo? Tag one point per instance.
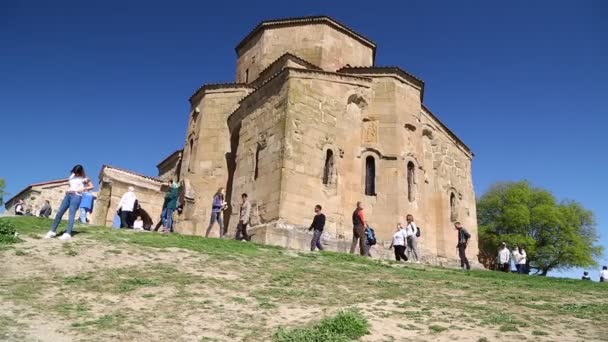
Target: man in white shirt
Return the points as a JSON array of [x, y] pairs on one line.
[[126, 206], [412, 240], [504, 258], [398, 243], [604, 274]]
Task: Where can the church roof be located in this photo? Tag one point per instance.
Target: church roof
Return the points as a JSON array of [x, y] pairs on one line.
[[169, 157], [104, 167], [29, 187], [306, 21], [210, 86], [448, 131], [385, 70]]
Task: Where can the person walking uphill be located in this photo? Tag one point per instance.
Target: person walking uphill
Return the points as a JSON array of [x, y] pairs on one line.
[[170, 205], [217, 207], [244, 215], [126, 206], [78, 183], [318, 223], [359, 235], [463, 240]]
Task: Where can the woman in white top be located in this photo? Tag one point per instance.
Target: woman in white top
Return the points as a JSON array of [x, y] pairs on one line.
[[521, 261], [412, 241], [399, 243], [604, 274], [138, 224], [78, 183]]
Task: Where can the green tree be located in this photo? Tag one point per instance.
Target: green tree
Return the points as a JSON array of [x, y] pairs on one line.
[[556, 235]]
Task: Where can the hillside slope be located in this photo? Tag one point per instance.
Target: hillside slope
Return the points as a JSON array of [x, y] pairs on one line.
[[109, 285]]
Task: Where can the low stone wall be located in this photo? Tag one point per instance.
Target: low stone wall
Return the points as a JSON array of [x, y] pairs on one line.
[[298, 237]]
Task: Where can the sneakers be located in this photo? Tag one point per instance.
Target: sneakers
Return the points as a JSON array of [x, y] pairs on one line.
[[65, 237], [50, 235]]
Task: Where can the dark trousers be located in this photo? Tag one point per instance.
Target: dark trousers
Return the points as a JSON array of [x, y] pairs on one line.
[[400, 253], [505, 267], [464, 262], [521, 268], [215, 217], [316, 240], [241, 231], [126, 219], [360, 238]]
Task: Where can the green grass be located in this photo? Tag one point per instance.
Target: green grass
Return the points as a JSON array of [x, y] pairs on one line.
[[265, 280], [345, 326]]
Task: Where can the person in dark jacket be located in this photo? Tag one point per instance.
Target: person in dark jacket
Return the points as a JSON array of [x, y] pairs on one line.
[[170, 205], [46, 209], [463, 240], [318, 223], [359, 235]]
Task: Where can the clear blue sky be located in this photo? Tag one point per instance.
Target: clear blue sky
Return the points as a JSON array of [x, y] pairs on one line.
[[523, 83]]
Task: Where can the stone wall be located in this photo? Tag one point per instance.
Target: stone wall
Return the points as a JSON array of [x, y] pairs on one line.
[[206, 154], [34, 198], [319, 44]]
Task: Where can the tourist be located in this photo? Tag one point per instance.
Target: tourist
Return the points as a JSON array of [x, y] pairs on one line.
[[78, 183], [126, 207], [170, 205], [163, 210], [398, 243], [521, 263], [138, 224], [515, 257], [28, 212], [20, 208], [217, 207], [412, 240], [463, 240], [585, 276], [46, 209], [359, 234], [504, 258], [604, 274], [318, 223], [244, 216], [86, 206]]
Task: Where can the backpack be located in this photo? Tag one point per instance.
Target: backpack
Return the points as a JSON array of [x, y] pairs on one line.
[[371, 236], [417, 231]]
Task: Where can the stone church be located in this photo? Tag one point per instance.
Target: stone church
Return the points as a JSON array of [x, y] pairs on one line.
[[310, 119]]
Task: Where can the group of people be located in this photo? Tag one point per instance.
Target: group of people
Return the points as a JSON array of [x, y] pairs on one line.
[[518, 256], [603, 275], [219, 205]]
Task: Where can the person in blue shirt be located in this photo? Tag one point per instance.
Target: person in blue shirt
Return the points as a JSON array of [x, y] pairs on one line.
[[217, 207], [86, 206]]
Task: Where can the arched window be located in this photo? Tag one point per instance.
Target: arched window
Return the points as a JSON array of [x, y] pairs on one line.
[[370, 176], [191, 154], [453, 213], [410, 181], [257, 160], [328, 169]]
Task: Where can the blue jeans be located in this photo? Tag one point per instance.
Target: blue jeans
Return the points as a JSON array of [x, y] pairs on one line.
[[72, 202], [215, 216], [167, 216], [83, 215]]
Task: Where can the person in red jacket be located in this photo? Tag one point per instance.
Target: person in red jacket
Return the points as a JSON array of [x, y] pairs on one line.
[[359, 231]]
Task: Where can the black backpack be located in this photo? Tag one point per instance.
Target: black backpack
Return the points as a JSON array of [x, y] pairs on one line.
[[417, 231]]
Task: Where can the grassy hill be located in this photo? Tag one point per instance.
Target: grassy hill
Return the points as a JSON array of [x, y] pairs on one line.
[[110, 285]]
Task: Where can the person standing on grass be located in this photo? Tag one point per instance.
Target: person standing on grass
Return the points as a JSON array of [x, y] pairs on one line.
[[20, 208], [463, 240], [604, 274], [244, 216], [86, 206], [126, 206], [515, 256], [359, 233], [412, 239], [78, 183], [504, 258], [318, 223], [217, 208], [170, 204], [398, 243], [523, 258], [46, 209]]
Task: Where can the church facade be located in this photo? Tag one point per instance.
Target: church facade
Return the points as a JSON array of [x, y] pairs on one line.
[[310, 119]]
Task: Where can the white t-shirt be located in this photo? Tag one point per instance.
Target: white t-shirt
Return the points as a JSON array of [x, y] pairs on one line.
[[504, 256], [604, 274], [522, 258], [411, 229], [399, 238], [76, 183], [127, 201], [138, 224]]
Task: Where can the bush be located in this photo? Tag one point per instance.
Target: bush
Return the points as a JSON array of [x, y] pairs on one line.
[[345, 326], [7, 232]]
